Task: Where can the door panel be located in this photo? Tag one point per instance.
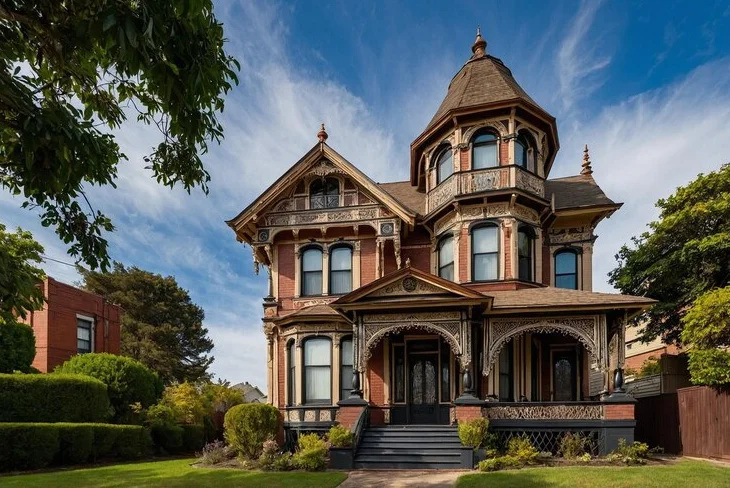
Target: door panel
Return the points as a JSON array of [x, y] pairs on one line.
[[422, 391], [564, 376]]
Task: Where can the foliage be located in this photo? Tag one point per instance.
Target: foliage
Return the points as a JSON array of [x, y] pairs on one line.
[[175, 473], [248, 425], [500, 462], [220, 396], [128, 381], [709, 367], [71, 73], [573, 445], [272, 459], [634, 453], [193, 437], [340, 436], [168, 438], [474, 433], [685, 254], [522, 449], [161, 326], [186, 401], [35, 445], [52, 398], [311, 453], [585, 458], [215, 452], [17, 343], [160, 413], [19, 291]]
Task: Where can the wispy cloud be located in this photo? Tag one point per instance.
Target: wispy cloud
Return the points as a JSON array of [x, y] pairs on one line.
[[579, 58]]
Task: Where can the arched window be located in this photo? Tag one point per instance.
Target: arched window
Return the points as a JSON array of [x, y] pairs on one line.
[[485, 253], [566, 269], [525, 153], [446, 258], [444, 165], [525, 253], [312, 271], [340, 270], [318, 370], [292, 376], [484, 150], [345, 367], [324, 193]]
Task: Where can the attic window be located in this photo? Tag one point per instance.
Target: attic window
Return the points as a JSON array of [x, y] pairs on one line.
[[324, 193]]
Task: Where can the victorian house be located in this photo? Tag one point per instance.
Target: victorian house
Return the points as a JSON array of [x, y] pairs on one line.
[[464, 291]]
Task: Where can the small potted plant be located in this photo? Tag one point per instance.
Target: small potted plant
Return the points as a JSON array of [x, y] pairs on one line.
[[341, 450]]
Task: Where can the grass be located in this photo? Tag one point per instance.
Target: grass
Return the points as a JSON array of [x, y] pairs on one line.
[[684, 473], [170, 474]]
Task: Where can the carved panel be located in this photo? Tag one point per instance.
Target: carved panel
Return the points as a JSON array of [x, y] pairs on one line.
[[324, 168], [529, 182], [526, 214], [485, 179], [339, 214], [544, 412], [407, 286], [442, 193], [571, 234], [485, 212]]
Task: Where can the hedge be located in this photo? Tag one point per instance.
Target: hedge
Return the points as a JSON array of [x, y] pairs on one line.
[[193, 437], [174, 439], [52, 398], [26, 446]]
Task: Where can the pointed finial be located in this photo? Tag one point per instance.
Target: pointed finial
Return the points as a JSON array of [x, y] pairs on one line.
[[586, 166], [479, 48], [322, 134]]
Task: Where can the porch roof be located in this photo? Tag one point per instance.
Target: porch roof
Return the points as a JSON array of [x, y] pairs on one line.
[[563, 299], [312, 313]]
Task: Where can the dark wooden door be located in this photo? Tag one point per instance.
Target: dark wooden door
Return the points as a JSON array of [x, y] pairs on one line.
[[422, 389], [564, 376]]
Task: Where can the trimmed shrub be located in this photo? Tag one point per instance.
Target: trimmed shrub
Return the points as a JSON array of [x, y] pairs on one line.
[[193, 437], [248, 425], [311, 454], [52, 398], [128, 381], [168, 438], [17, 343], [474, 433], [26, 446], [340, 436]]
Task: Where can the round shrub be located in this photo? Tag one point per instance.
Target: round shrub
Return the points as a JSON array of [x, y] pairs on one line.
[[340, 436], [128, 381], [52, 398], [311, 454], [17, 343], [248, 425]]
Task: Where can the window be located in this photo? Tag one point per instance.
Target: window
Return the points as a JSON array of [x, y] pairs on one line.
[[317, 370], [444, 165], [525, 250], [484, 150], [324, 193], [292, 396], [506, 377], [566, 269], [312, 272], [525, 152], [340, 270], [485, 253], [446, 258], [83, 335], [345, 368]]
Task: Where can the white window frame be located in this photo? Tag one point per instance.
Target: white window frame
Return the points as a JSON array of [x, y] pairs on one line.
[[92, 321]]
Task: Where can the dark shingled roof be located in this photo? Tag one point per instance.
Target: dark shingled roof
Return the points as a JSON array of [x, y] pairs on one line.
[[552, 297], [575, 192], [407, 195], [482, 80]]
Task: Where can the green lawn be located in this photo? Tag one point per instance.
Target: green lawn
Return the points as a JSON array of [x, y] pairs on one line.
[[169, 474], [684, 474]]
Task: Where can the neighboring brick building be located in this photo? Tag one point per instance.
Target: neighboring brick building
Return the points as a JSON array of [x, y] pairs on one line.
[[72, 321], [638, 352]]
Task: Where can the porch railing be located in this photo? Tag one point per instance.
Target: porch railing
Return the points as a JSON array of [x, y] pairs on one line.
[[359, 427], [310, 415]]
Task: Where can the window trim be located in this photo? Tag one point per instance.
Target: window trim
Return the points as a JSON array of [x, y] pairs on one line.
[[525, 139], [481, 225], [331, 249], [439, 245], [347, 338], [315, 401], [324, 180], [576, 253], [443, 149], [92, 332], [532, 236], [302, 273], [291, 373], [495, 142]]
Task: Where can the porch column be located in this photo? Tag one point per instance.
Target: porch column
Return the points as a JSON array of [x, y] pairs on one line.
[[299, 371], [336, 360]]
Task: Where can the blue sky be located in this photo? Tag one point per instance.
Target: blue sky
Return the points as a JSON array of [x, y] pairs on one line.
[[645, 84]]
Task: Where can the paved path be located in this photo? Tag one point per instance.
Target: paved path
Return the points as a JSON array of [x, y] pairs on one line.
[[401, 478]]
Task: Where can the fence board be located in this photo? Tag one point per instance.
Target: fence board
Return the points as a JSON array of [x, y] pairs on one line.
[[657, 422], [704, 416]]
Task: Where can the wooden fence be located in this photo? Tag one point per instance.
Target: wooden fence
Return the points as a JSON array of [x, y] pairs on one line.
[[657, 422], [704, 419]]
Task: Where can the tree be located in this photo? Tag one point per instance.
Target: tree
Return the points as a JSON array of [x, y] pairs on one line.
[[161, 326], [684, 263], [71, 71]]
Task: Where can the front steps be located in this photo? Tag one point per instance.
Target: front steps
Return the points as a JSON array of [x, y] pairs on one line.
[[409, 447]]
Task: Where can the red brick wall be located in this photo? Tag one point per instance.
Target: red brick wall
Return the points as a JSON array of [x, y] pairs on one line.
[[55, 326], [468, 412], [420, 258], [281, 371], [618, 412], [507, 248], [635, 362], [286, 267], [367, 261], [465, 164], [347, 415], [389, 264], [464, 261], [376, 377], [504, 153]]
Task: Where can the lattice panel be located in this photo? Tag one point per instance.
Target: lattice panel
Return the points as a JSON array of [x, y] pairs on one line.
[[549, 440]]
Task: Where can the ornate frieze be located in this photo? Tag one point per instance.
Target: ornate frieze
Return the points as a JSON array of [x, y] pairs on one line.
[[324, 168], [485, 212], [442, 193], [544, 412], [485, 179], [526, 214], [407, 286], [322, 216], [529, 182], [570, 234], [468, 133]]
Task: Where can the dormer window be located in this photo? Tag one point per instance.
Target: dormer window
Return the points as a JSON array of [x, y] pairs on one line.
[[525, 152], [446, 258], [484, 150], [324, 193], [525, 253], [444, 165]]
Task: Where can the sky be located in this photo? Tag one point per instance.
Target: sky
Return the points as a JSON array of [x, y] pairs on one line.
[[646, 84]]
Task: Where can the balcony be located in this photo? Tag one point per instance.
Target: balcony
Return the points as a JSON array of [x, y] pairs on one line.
[[490, 179]]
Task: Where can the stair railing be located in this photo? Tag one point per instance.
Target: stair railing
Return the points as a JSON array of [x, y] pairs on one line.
[[362, 423]]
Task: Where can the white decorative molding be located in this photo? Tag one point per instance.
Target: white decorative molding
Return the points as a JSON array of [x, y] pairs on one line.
[[324, 168], [323, 216]]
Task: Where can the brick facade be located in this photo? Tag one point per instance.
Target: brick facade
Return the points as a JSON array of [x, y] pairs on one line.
[[619, 411]]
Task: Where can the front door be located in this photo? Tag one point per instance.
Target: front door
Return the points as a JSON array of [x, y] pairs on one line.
[[564, 376], [422, 390]]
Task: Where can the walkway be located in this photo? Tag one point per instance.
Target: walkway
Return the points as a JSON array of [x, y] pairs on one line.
[[402, 478]]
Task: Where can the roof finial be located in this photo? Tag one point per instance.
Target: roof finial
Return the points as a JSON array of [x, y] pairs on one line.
[[322, 134], [586, 166], [479, 48]]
